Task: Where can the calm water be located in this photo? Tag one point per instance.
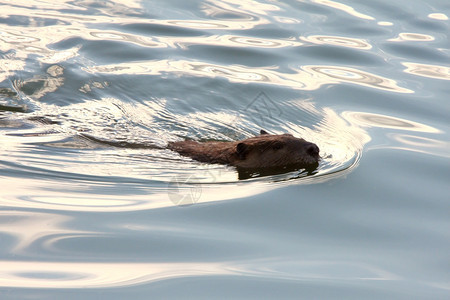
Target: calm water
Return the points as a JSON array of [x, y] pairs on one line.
[[88, 209]]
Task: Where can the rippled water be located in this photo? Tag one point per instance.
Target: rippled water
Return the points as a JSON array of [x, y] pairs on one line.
[[89, 208]]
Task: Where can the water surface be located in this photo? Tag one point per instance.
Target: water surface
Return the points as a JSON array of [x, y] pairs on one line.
[[89, 208]]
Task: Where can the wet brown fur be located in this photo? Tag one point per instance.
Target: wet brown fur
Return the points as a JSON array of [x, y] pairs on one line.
[[263, 151]]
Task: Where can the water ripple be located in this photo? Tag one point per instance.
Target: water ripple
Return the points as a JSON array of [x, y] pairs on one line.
[[338, 41], [421, 144], [414, 37], [307, 78], [383, 121], [426, 70], [60, 275], [438, 16], [120, 274], [345, 8], [351, 75], [29, 227]]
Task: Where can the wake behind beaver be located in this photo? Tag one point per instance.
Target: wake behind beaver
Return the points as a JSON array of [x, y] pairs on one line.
[[262, 155]]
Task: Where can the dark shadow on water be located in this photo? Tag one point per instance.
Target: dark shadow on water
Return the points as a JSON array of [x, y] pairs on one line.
[[262, 172], [11, 108]]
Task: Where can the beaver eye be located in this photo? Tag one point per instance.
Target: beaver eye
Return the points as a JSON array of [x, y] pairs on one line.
[[277, 146]]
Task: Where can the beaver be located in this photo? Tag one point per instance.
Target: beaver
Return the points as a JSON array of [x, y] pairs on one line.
[[260, 152]]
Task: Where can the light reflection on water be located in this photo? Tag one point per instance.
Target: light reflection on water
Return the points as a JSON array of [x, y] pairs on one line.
[[64, 275], [375, 120], [421, 144], [425, 70], [343, 7], [61, 275], [31, 227], [415, 37], [307, 78], [438, 16], [408, 142], [338, 41], [89, 198]]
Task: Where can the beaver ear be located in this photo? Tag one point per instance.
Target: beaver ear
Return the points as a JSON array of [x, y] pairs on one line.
[[263, 132], [242, 150]]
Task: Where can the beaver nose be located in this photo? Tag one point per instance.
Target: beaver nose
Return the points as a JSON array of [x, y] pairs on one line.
[[312, 149]]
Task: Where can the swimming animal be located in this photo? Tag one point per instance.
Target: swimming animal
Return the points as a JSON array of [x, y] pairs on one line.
[[260, 152]]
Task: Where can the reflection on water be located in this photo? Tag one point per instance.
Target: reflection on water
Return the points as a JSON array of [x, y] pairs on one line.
[[223, 9], [63, 275], [334, 74], [323, 270], [421, 144], [438, 16], [34, 38], [29, 228], [229, 41], [412, 37], [39, 86], [343, 7], [143, 41], [96, 275], [306, 78], [47, 232], [385, 23], [338, 41], [8, 65], [425, 70], [407, 142], [376, 120]]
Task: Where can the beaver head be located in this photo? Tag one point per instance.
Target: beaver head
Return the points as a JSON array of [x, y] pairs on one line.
[[275, 151]]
